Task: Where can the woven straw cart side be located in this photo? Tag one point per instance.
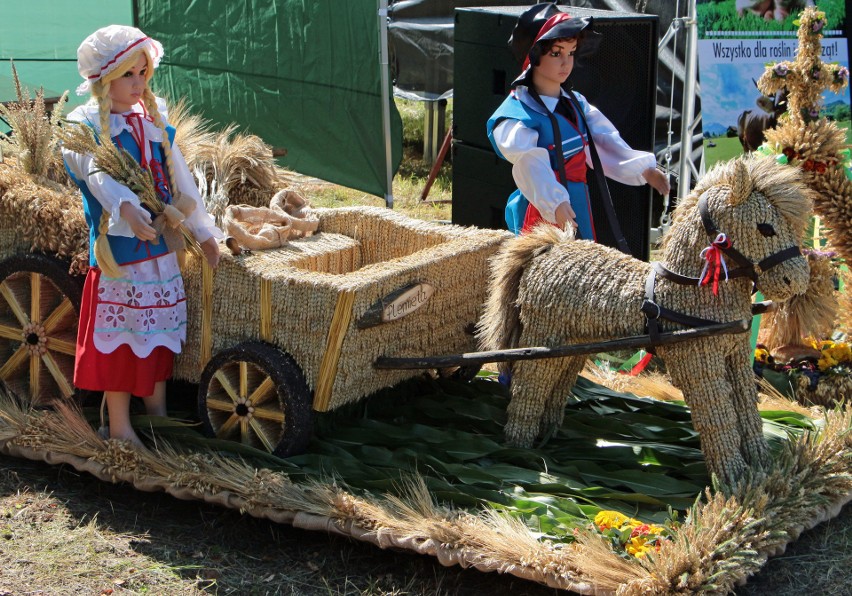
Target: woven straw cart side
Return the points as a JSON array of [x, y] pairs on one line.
[[277, 334]]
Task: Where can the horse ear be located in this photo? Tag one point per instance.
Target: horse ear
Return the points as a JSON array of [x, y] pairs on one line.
[[741, 183]]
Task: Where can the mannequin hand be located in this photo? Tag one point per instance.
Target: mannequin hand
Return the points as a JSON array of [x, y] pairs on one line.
[[139, 221], [657, 180], [565, 216], [211, 251]]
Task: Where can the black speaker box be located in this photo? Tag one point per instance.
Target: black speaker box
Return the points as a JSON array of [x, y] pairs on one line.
[[619, 79]]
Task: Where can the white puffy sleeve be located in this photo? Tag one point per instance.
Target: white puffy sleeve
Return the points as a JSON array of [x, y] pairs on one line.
[[108, 192], [530, 167], [620, 162], [199, 222]]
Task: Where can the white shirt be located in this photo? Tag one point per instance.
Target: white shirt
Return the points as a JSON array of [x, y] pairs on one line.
[[531, 164]]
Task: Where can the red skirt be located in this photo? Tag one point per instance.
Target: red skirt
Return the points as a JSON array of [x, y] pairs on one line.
[[120, 370]]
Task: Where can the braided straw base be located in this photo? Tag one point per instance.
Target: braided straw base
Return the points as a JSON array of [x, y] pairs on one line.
[[830, 390]]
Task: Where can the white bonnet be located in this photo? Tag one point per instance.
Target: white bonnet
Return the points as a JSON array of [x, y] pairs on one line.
[[103, 50]]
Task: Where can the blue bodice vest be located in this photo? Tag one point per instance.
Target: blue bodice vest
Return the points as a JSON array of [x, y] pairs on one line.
[[126, 249]]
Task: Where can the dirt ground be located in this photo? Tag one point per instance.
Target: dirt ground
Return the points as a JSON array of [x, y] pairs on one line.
[[62, 532]]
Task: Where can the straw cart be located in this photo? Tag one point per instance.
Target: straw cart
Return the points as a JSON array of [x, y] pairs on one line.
[[274, 335]]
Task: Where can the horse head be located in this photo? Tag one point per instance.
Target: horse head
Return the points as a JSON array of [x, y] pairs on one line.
[[749, 215]]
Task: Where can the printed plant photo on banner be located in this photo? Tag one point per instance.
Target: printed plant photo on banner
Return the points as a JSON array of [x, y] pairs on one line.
[[737, 39]]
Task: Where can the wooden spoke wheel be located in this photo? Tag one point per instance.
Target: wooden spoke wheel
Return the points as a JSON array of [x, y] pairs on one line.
[[39, 312], [255, 394]]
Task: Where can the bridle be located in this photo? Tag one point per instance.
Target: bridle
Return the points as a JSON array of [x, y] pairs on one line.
[[745, 268]]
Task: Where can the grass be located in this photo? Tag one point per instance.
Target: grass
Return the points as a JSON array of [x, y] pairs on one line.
[[729, 147], [69, 535]]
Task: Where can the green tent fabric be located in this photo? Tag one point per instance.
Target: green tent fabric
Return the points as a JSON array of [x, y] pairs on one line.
[[42, 36], [302, 74]]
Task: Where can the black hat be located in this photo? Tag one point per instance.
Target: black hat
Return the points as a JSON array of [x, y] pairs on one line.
[[543, 22]]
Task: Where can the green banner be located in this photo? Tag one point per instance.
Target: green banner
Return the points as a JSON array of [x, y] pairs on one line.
[[302, 74]]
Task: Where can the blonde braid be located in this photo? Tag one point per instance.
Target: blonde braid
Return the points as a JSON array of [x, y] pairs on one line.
[[103, 253], [150, 103]]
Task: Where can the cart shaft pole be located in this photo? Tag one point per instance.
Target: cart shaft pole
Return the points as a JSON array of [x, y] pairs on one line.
[[536, 353]]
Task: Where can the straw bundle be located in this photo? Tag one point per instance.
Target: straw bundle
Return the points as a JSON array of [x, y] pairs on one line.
[[231, 168], [35, 217], [810, 314], [192, 132], [34, 142], [322, 285]]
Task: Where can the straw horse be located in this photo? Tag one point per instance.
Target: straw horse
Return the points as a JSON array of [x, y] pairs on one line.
[[549, 290]]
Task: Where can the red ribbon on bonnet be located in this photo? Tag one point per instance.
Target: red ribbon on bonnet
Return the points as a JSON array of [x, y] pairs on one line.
[[715, 263]]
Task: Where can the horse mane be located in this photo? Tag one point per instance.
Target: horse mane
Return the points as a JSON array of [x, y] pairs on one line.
[[782, 186]]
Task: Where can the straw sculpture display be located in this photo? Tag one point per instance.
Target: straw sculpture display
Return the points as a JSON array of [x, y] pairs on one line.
[[308, 296], [808, 141], [288, 217], [548, 290]]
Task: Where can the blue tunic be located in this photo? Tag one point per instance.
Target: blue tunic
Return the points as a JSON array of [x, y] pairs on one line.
[[572, 144]]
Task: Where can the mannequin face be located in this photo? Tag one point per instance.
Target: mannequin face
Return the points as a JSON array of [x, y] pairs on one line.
[[554, 67], [125, 91]]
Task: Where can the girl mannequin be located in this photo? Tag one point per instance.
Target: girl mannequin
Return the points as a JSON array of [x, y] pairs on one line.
[[521, 130], [133, 313]]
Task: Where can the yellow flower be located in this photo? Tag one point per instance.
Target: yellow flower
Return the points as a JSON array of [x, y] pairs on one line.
[[840, 352], [761, 355], [819, 344], [826, 362], [638, 546], [611, 519]]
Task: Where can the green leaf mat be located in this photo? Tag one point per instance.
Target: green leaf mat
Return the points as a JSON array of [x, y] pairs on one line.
[[613, 451]]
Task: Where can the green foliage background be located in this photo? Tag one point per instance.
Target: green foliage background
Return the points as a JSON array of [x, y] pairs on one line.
[[721, 15]]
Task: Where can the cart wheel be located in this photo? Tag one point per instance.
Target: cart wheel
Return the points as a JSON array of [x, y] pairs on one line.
[[39, 314], [255, 394]]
